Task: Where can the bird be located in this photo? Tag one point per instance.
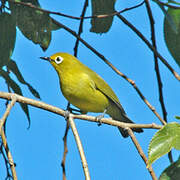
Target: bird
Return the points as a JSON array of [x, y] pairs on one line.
[[86, 90]]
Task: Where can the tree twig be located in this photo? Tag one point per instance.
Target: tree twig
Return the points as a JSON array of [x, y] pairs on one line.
[[163, 60], [160, 85], [80, 147], [166, 4], [42, 105], [65, 150], [30, 5], [3, 136], [80, 27], [143, 156]]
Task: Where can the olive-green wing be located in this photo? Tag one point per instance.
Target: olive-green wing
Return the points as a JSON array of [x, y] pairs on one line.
[[102, 86]]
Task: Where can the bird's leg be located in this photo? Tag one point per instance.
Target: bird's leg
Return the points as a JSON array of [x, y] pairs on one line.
[[99, 117], [70, 110]]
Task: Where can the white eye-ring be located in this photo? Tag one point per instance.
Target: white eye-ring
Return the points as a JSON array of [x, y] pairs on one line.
[[58, 59]]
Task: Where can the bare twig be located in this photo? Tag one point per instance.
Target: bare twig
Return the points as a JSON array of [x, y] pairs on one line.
[[160, 85], [9, 107], [65, 150], [80, 147], [30, 5], [3, 136], [42, 105], [168, 5], [8, 153], [143, 156], [163, 60], [80, 27]]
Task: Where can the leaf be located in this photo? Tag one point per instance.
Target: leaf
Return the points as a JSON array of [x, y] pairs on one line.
[[172, 172], [177, 117], [15, 87], [7, 37], [172, 35], [163, 141], [14, 68], [34, 24], [101, 7]]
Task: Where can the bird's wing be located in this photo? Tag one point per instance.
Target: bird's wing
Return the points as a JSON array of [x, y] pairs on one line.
[[104, 88]]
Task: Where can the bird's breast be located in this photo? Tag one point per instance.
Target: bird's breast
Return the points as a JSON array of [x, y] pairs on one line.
[[80, 90]]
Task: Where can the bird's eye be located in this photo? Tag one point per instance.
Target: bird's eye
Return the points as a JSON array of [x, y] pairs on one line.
[[58, 60]]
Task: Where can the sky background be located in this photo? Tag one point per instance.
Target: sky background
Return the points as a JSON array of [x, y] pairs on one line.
[[38, 151]]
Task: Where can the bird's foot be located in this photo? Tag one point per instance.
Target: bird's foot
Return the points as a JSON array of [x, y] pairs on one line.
[[99, 117], [66, 114]]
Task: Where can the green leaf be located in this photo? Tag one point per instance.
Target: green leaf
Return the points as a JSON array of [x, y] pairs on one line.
[[172, 172], [101, 7], [12, 66], [177, 117], [7, 37], [34, 24], [15, 87], [163, 141], [172, 35]]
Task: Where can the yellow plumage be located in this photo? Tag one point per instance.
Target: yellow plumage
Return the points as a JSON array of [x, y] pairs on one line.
[[85, 89]]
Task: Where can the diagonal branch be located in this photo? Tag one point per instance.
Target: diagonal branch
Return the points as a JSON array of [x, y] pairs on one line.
[[160, 85], [80, 27], [3, 136], [80, 147], [42, 105], [163, 60], [142, 154]]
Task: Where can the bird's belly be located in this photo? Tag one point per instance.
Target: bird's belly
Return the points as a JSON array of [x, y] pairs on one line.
[[86, 98]]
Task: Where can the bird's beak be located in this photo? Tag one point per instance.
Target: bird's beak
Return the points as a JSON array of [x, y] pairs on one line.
[[46, 58]]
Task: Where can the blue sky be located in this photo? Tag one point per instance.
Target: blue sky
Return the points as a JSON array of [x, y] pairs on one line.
[[38, 151]]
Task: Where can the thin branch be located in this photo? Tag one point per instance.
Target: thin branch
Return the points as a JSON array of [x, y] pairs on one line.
[[153, 38], [30, 5], [42, 105], [80, 147], [80, 27], [166, 4], [8, 153], [9, 107], [163, 60], [142, 154], [65, 150], [160, 85], [3, 136]]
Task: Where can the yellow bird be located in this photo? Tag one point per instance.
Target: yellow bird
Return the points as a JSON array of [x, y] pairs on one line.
[[86, 90]]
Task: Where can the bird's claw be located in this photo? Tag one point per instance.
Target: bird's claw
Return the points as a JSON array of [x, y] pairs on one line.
[[66, 114]]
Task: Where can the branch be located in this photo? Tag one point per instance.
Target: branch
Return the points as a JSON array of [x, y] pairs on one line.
[[80, 27], [3, 136], [143, 156], [30, 5], [160, 85], [163, 60], [80, 147], [166, 4], [61, 112], [65, 150]]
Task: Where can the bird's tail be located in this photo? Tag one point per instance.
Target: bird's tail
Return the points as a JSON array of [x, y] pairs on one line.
[[123, 131], [117, 112]]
